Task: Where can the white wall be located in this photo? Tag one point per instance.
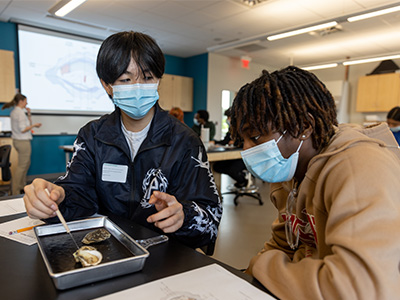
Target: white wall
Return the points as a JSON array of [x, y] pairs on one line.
[[226, 73]]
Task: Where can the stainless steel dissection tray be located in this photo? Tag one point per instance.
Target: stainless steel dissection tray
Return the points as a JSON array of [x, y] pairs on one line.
[[121, 253]]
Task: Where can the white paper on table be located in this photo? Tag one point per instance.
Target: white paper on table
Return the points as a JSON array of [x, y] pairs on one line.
[[26, 237], [211, 282], [12, 207]]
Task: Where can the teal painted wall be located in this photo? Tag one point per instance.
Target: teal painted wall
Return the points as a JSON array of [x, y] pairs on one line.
[[197, 67], [46, 155], [174, 65]]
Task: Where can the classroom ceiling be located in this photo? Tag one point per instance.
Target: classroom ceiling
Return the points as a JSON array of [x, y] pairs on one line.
[[186, 28]]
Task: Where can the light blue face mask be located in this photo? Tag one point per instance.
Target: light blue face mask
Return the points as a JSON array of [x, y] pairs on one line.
[[137, 99], [395, 129], [196, 122], [266, 162]]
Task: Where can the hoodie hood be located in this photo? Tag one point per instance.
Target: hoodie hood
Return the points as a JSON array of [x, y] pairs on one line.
[[352, 135]]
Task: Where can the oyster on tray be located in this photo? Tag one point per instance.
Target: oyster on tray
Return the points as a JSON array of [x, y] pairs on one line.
[[96, 236], [88, 256]]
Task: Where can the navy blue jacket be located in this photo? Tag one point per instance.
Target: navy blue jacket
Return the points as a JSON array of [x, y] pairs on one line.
[[171, 159]]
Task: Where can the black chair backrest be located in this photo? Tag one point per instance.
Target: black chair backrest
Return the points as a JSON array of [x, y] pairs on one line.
[[208, 249], [5, 164]]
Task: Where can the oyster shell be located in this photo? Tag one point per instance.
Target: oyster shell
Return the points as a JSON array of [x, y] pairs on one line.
[[88, 256], [96, 236]]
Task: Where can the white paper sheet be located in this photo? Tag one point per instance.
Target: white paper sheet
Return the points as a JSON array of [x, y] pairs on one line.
[[26, 237], [11, 207], [212, 282]]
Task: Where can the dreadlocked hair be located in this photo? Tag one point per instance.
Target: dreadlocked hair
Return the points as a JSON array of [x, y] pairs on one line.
[[283, 101]]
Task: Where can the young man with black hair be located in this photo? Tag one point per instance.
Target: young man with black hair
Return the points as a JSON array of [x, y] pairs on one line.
[[138, 162]]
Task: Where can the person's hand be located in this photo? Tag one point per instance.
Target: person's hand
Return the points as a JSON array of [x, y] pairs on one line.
[[170, 214], [38, 203], [28, 110], [37, 125], [231, 143]]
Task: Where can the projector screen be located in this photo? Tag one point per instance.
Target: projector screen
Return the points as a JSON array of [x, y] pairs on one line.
[[58, 73]]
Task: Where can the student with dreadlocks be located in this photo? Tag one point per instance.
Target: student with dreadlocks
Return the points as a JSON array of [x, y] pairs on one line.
[[336, 188]]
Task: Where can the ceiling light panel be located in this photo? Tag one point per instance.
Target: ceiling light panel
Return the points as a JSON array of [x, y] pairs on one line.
[[374, 14], [320, 67], [63, 7], [368, 60], [301, 31]]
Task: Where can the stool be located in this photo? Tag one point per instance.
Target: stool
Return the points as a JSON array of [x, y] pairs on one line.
[[250, 190]]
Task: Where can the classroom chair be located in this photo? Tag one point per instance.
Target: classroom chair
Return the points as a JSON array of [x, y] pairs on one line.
[[250, 190], [5, 165]]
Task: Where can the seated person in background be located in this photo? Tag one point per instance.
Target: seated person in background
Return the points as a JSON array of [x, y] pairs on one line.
[[393, 120], [201, 118], [177, 113], [336, 190], [138, 162], [235, 167]]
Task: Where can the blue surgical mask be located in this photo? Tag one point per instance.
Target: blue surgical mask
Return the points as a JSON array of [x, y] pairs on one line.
[[395, 129], [137, 99], [196, 122], [266, 162]]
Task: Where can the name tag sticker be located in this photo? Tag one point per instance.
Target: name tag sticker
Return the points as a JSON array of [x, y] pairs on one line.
[[114, 173]]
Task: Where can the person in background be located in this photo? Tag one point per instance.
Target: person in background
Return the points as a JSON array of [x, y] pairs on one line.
[[21, 127], [234, 167], [177, 113], [138, 162], [201, 119], [336, 190], [393, 121]]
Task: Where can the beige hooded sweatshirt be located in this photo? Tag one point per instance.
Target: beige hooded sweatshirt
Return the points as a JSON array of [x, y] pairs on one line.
[[348, 216]]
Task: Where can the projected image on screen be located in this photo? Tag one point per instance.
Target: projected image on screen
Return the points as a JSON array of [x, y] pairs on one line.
[[58, 74]]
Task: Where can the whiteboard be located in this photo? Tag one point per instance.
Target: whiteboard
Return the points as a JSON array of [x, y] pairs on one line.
[[60, 125]]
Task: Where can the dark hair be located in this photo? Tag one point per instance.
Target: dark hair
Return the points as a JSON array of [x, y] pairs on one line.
[[117, 50], [284, 100], [228, 112], [203, 114], [394, 114], [18, 97]]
